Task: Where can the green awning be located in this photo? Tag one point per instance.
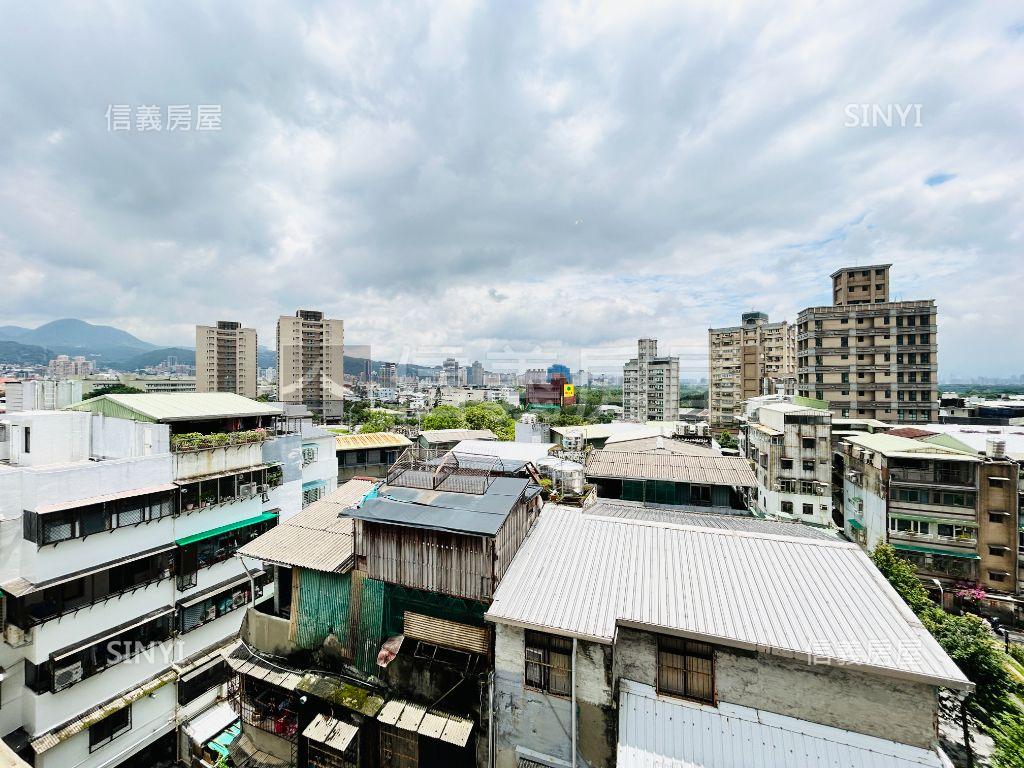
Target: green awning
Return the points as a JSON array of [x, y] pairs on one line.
[[932, 551], [856, 524], [225, 529]]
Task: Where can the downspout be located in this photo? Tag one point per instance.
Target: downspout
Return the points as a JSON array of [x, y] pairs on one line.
[[490, 720], [573, 690]]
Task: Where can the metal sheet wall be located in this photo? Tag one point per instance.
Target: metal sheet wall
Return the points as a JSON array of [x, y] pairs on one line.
[[324, 600]]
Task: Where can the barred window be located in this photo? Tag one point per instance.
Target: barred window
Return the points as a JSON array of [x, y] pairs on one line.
[[548, 662], [686, 668]]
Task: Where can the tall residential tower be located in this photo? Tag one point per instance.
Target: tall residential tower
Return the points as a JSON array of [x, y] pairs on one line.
[[747, 360], [870, 357], [311, 362], [226, 358], [650, 385]]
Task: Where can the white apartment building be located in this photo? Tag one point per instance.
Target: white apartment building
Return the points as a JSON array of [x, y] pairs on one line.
[[43, 394], [119, 522], [789, 447], [650, 385], [226, 358], [508, 395]]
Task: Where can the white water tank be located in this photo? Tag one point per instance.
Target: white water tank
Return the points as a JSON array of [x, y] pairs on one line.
[[995, 449]]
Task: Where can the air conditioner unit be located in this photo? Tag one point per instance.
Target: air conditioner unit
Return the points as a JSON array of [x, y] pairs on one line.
[[62, 678], [14, 636], [247, 489]]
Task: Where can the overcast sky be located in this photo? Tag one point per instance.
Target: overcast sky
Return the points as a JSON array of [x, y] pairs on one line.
[[513, 182]]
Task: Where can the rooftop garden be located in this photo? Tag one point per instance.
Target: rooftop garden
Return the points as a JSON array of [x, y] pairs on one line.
[[196, 441]]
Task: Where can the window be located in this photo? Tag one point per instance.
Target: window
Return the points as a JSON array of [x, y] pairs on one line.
[[901, 525], [808, 442], [686, 668], [786, 463], [997, 551], [786, 506], [109, 728], [808, 509], [191, 687], [808, 465], [548, 659], [996, 576], [997, 517], [28, 439]]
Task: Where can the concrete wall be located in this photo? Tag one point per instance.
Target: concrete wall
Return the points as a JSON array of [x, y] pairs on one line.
[[540, 722], [830, 695]]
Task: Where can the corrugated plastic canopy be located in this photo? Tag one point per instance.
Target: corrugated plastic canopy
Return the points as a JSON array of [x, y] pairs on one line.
[[371, 440], [318, 537], [179, 406], [225, 528], [656, 732], [455, 435], [580, 575]]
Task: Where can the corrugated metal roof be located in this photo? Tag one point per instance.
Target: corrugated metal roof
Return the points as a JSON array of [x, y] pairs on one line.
[[433, 723], [371, 440], [183, 406], [330, 731], [104, 498], [581, 575], [894, 446], [710, 470], [450, 634], [455, 435], [600, 431], [317, 537], [503, 449], [477, 513], [707, 516], [977, 435], [656, 444], [658, 732]]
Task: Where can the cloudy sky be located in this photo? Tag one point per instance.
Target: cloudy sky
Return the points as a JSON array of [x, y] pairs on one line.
[[512, 181]]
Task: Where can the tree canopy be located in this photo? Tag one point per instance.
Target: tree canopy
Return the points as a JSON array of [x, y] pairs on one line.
[[445, 417], [115, 389], [377, 421], [490, 416]]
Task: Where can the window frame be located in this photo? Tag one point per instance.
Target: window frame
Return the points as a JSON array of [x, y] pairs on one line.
[[103, 740], [688, 650], [544, 644]]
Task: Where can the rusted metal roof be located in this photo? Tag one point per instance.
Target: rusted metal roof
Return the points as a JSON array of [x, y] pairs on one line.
[[331, 731], [371, 440], [732, 471], [450, 634], [434, 723], [318, 537]]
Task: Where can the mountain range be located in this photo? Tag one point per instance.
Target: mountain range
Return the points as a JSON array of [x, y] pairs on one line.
[[110, 347]]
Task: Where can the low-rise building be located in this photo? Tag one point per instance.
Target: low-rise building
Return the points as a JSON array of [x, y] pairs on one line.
[[389, 583], [950, 511], [639, 641], [789, 446], [445, 439], [671, 478], [43, 394], [369, 455]]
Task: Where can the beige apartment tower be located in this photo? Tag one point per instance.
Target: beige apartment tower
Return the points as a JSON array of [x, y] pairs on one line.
[[226, 358], [311, 362], [867, 356], [748, 360]]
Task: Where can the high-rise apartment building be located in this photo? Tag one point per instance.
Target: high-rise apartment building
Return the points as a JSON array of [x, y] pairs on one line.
[[476, 374], [311, 362], [450, 372], [867, 356], [226, 358], [62, 367], [650, 385], [389, 375], [748, 360]]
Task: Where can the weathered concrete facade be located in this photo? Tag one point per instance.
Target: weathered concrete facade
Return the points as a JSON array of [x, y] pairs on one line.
[[529, 721]]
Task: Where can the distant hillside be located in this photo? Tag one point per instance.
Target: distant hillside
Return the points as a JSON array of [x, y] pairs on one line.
[[155, 357], [357, 365], [266, 358], [12, 332], [22, 354], [80, 334]]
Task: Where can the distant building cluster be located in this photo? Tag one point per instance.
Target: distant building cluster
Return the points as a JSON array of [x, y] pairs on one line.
[[64, 367]]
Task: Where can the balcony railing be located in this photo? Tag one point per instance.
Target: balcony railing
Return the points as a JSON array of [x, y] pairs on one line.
[[195, 441]]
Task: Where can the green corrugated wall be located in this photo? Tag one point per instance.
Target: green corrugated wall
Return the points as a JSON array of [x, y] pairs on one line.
[[324, 600], [382, 615]]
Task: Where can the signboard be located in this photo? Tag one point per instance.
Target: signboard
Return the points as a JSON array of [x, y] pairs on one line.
[[569, 390]]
